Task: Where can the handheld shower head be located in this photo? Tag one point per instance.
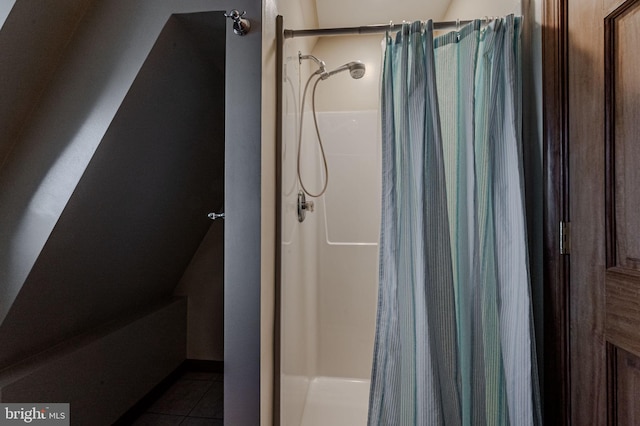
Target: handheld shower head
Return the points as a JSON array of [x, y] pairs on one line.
[[356, 69]]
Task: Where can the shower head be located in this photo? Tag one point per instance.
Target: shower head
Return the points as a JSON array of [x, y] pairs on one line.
[[356, 69]]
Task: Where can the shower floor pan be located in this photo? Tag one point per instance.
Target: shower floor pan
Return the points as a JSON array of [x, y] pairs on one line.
[[336, 401]]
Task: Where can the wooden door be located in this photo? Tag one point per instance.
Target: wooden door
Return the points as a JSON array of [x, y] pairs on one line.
[[604, 210]]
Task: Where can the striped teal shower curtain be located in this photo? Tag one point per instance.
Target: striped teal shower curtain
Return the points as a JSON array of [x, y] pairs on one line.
[[454, 335]]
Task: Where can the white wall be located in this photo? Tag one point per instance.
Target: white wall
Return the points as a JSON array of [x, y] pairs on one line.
[[348, 235], [471, 9], [340, 13], [340, 92]]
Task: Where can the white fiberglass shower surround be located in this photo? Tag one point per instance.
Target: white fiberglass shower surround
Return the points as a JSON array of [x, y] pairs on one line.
[[329, 273]]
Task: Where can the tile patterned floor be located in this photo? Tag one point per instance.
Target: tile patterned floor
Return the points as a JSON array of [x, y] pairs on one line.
[[195, 399]]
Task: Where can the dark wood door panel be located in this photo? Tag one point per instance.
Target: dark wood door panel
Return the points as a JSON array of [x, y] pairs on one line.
[[623, 31], [622, 194], [604, 118], [622, 104], [587, 355], [622, 319], [626, 388]]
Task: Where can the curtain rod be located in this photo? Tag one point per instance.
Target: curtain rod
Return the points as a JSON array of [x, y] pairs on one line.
[[366, 29]]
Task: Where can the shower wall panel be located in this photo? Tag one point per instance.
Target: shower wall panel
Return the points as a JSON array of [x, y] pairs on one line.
[[329, 261], [348, 244], [299, 254]]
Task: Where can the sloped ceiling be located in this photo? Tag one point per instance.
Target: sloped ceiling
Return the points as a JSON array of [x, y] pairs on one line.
[[349, 13]]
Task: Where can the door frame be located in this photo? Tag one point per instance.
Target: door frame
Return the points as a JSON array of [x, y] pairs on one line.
[[555, 84]]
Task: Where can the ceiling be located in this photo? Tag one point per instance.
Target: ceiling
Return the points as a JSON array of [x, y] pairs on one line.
[[349, 13]]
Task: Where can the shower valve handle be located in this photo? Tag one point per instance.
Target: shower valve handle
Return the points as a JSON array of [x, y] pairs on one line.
[[304, 206]]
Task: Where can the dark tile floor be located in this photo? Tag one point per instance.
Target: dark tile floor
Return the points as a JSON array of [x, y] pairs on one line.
[[194, 399]]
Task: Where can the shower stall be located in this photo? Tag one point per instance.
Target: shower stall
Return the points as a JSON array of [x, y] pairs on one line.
[[328, 241], [329, 258]]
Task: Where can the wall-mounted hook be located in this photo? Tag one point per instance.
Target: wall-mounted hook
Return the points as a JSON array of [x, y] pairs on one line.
[[214, 216], [241, 25]]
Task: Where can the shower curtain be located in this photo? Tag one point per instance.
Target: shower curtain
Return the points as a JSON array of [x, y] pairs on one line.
[[454, 333]]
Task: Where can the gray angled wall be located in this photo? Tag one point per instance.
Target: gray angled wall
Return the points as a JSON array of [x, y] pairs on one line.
[[42, 184]]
